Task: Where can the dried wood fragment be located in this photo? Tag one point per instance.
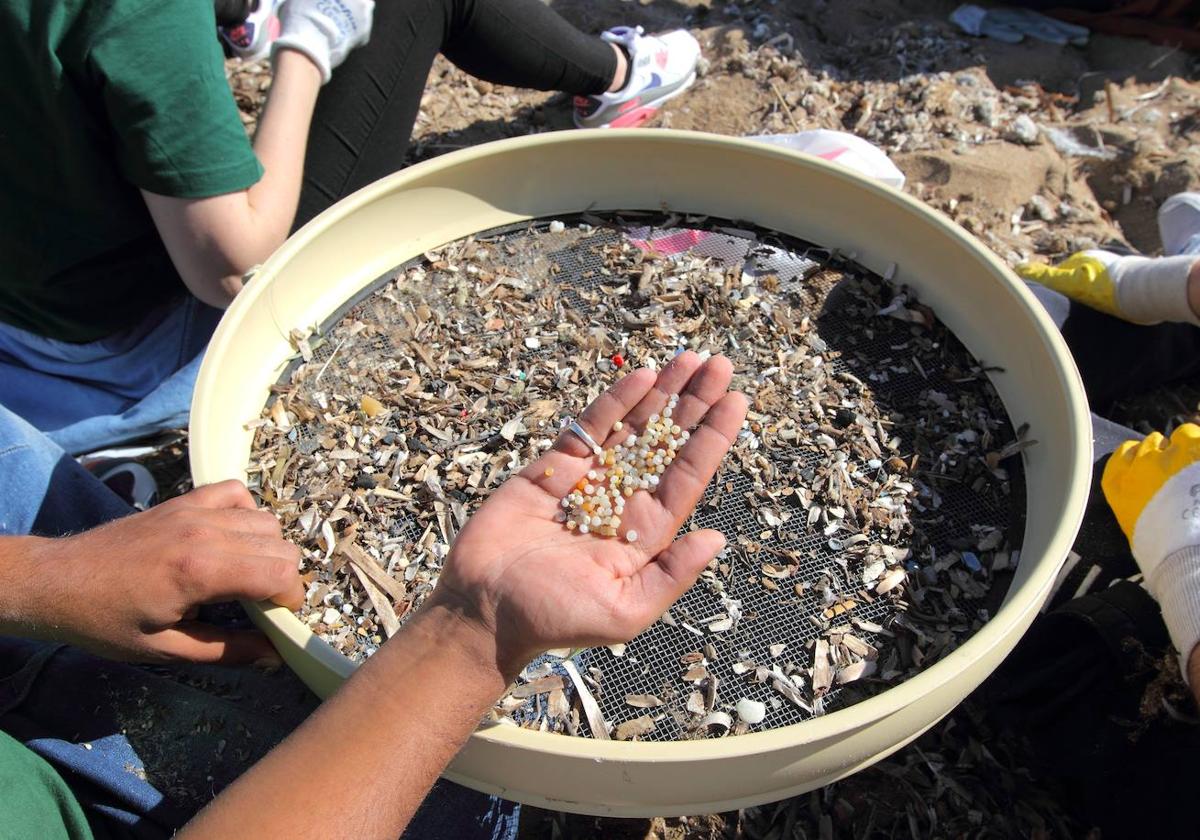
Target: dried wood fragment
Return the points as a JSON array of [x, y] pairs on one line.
[[379, 601], [591, 709], [367, 565], [631, 729], [539, 686]]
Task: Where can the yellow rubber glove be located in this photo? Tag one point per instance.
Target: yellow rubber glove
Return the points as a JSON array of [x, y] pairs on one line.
[[1153, 487], [1080, 277], [1142, 290]]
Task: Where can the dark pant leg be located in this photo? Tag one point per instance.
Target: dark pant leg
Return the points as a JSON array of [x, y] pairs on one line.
[[364, 116], [232, 12], [1074, 690], [1118, 360], [141, 748], [1074, 686], [76, 501], [43, 491], [524, 43]]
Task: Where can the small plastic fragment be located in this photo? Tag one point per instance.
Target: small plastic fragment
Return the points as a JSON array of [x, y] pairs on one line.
[[371, 406]]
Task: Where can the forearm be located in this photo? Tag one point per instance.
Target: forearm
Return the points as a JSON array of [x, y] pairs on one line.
[[280, 144], [214, 241], [18, 596], [400, 720]]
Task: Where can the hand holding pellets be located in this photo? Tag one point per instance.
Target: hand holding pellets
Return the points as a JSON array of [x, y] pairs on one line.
[[636, 463], [536, 585]]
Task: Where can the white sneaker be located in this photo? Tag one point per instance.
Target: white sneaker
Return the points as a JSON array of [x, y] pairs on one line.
[[660, 67], [1179, 224], [251, 40]]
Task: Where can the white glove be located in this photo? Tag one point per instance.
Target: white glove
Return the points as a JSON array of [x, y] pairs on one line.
[[324, 30], [1153, 487]]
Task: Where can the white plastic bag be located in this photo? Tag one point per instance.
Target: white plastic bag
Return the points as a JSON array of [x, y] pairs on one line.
[[841, 148]]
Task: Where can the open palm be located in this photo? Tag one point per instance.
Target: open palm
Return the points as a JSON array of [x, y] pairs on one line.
[[539, 585]]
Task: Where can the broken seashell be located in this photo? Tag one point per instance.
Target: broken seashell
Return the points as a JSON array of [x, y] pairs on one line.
[[720, 625], [854, 671], [631, 729], [890, 581], [643, 701], [719, 721]]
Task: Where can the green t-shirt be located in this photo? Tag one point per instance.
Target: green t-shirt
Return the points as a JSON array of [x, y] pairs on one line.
[[101, 98], [34, 800]]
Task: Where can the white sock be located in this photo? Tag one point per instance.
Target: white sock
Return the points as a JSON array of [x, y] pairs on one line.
[[1150, 290]]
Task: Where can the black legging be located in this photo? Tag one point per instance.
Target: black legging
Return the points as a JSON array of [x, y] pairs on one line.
[[365, 114], [232, 12]]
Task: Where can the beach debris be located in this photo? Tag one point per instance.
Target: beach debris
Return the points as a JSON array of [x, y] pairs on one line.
[[751, 711], [459, 369]]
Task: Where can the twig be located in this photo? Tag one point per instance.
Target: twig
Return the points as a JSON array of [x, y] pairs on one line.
[[383, 608], [786, 108], [1157, 92], [321, 372], [591, 708], [366, 564], [1163, 58]]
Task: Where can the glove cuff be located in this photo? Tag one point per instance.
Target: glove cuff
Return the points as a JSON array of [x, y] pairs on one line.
[[310, 42], [1176, 586], [1170, 520]]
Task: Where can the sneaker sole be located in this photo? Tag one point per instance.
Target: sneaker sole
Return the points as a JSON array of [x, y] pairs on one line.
[[646, 110]]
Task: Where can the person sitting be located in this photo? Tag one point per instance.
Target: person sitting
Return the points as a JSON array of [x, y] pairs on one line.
[[134, 205], [1088, 686]]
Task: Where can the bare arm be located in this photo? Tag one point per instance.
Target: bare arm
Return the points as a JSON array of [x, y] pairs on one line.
[[19, 597], [516, 583], [214, 241], [401, 719]]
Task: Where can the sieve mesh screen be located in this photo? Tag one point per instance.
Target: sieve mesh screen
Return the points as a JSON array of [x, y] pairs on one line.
[[955, 512]]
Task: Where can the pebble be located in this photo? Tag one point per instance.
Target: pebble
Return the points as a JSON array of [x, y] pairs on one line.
[[985, 111], [1043, 209], [751, 711], [1023, 130]]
